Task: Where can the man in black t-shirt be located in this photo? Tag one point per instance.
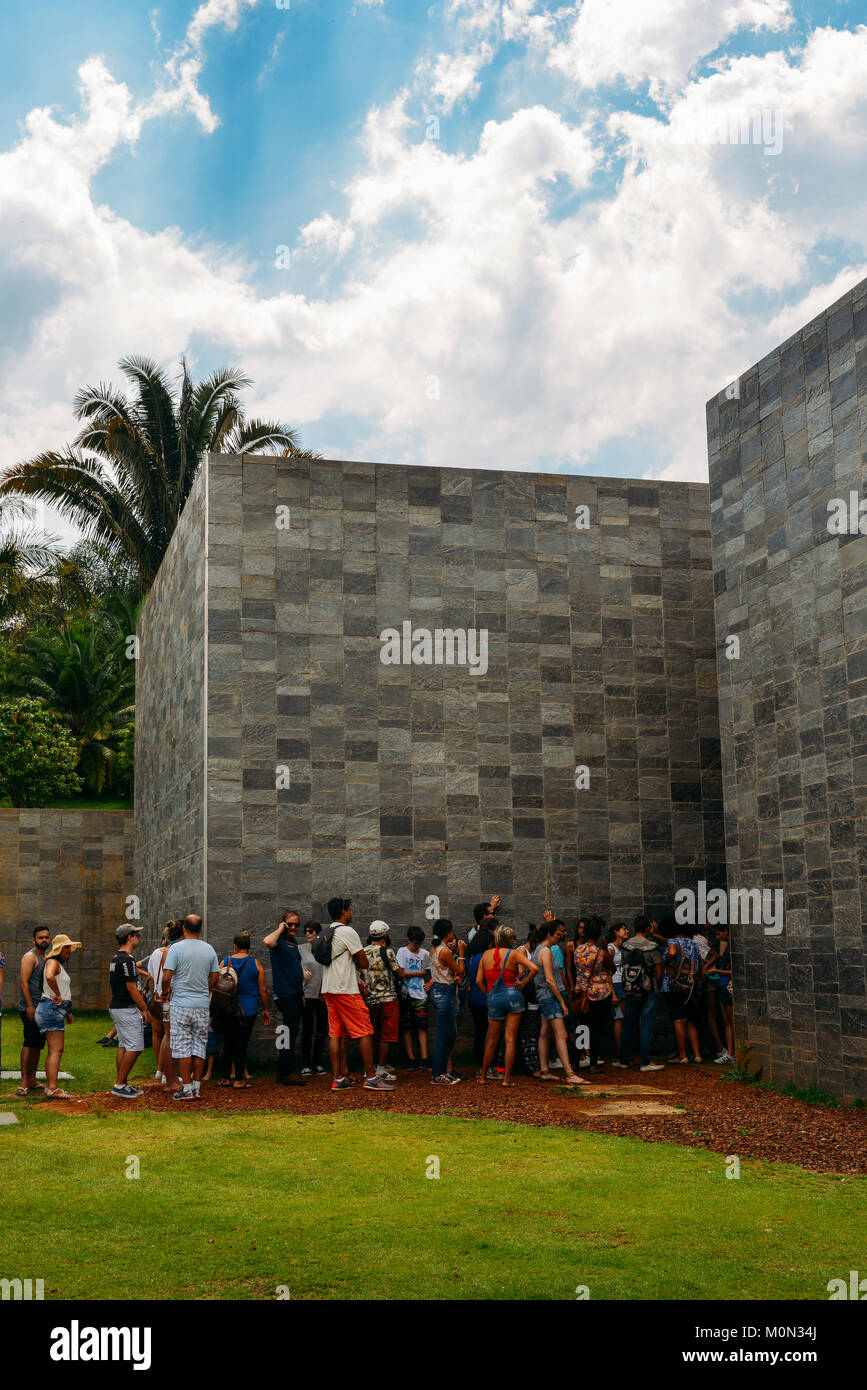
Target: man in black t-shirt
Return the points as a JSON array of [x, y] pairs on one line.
[[128, 1010]]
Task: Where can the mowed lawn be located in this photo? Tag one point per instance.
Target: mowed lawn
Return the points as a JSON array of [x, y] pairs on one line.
[[341, 1207]]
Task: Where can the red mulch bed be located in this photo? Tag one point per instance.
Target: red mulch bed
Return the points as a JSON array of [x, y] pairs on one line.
[[725, 1117]]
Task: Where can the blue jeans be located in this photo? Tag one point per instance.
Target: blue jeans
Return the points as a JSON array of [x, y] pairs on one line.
[[637, 1011], [444, 1001]]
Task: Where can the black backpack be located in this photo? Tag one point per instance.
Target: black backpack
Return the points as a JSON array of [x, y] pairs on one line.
[[635, 975], [322, 946], [681, 972]]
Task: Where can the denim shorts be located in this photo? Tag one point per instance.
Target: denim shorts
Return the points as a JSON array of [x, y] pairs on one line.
[[51, 1017], [549, 1006], [508, 999]]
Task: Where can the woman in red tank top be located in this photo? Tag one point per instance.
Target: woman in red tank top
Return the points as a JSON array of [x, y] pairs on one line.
[[502, 974]]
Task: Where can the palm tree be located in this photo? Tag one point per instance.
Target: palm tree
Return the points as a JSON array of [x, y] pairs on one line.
[[34, 575], [84, 671], [126, 476]]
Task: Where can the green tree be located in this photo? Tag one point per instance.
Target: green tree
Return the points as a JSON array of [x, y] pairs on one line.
[[126, 476], [37, 754], [125, 780], [85, 672]]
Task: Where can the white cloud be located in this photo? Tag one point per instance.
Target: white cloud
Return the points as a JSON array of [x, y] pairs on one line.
[[559, 313], [654, 40]]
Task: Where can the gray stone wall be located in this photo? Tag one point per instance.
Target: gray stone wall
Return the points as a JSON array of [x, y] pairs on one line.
[[170, 730], [793, 706], [69, 871], [413, 781]]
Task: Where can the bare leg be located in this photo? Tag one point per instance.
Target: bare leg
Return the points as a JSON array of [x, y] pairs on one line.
[[198, 1066], [167, 1061], [29, 1066], [366, 1047], [692, 1034], [544, 1046], [512, 1023], [679, 1025], [126, 1065], [559, 1028], [54, 1040], [491, 1042]]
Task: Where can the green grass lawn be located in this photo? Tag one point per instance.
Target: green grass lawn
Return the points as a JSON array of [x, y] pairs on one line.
[[340, 1207]]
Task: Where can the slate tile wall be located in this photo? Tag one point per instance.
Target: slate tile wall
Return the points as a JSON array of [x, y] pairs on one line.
[[170, 731], [793, 707], [69, 871], [409, 782]]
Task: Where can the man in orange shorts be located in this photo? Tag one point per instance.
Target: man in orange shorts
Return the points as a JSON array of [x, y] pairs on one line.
[[347, 1011]]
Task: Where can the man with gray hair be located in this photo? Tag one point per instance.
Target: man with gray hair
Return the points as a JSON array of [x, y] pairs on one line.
[[189, 974]]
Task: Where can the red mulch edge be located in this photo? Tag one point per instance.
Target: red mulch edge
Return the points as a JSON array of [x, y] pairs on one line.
[[723, 1117]]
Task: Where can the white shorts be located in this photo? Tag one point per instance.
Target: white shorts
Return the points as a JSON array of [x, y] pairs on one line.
[[130, 1029]]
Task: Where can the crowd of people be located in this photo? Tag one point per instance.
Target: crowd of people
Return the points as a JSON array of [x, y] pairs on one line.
[[547, 1008]]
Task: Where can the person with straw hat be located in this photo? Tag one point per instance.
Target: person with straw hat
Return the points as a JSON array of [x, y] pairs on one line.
[[54, 1010]]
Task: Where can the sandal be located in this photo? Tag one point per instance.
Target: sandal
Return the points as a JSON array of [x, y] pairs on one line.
[[546, 1076], [574, 1080], [23, 1091], [244, 1086], [58, 1095], [225, 1084]]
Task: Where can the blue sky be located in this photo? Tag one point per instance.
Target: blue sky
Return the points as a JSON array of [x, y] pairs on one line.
[[570, 260]]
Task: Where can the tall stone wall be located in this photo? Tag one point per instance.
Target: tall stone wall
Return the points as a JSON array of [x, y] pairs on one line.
[[784, 441], [411, 782], [69, 871], [170, 729]]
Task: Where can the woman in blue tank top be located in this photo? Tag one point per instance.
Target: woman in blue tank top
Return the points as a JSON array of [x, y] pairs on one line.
[[237, 1027]]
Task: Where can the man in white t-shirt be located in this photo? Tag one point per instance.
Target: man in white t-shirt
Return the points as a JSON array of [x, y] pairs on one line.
[[347, 1012]]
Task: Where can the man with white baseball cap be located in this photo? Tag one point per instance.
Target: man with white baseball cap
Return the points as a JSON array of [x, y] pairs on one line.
[[380, 983], [127, 1008]]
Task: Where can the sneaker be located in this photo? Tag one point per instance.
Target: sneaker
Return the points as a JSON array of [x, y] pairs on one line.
[[652, 1066], [306, 1071], [185, 1095], [158, 1076], [455, 1076], [376, 1083], [103, 1042], [321, 1071], [556, 1065], [412, 1065], [721, 1057], [444, 1080], [585, 1062], [344, 1084], [386, 1073], [623, 1065], [492, 1074], [727, 1059], [424, 1064], [125, 1092]]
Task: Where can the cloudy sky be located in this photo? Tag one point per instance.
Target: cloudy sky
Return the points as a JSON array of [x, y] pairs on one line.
[[479, 233]]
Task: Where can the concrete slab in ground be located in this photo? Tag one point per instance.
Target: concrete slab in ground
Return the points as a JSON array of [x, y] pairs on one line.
[[637, 1107], [40, 1076], [620, 1091], [7, 1118]]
